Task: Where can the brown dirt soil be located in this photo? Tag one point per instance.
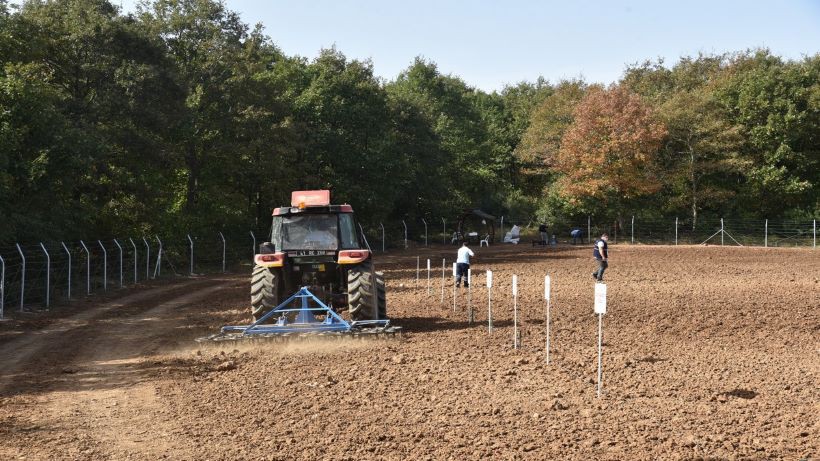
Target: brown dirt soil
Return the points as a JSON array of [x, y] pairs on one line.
[[709, 352]]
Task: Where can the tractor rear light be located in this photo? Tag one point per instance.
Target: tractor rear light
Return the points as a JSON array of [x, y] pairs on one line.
[[270, 260], [353, 256]]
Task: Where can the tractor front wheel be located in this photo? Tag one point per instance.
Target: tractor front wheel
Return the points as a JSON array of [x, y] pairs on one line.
[[360, 286], [265, 291]]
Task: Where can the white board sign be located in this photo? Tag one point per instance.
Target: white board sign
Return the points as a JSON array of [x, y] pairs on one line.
[[515, 285], [600, 298], [547, 287], [489, 279], [455, 270]]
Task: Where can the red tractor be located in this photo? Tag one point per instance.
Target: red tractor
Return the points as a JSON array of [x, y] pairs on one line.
[[317, 245]]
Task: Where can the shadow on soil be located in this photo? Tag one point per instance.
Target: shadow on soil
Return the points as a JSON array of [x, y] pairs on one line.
[[434, 324]]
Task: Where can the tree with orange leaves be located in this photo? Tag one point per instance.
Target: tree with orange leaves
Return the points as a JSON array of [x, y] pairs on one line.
[[609, 152]]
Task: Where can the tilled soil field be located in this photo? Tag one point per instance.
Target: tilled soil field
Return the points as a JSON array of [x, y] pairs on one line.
[[709, 352]]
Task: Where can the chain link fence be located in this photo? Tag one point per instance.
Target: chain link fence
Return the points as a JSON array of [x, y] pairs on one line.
[[42, 275], [630, 230]]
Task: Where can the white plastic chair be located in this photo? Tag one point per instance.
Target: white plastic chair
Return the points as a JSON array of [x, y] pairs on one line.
[[484, 241]]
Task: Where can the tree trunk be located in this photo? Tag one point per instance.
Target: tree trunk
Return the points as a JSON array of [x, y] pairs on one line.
[[694, 187], [192, 162], [258, 208]]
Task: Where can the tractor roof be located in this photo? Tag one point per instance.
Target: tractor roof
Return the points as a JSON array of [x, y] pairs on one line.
[[311, 201]]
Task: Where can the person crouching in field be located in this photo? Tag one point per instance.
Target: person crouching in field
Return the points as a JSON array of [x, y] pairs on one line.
[[463, 264], [600, 253]]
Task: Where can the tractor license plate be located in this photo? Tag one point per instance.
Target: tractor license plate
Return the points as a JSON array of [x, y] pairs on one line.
[[319, 267]]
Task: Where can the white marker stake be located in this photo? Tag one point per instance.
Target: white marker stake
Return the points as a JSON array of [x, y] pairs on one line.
[[428, 277], [418, 268], [455, 269], [469, 296], [547, 297], [515, 310], [489, 301], [600, 309], [443, 262]]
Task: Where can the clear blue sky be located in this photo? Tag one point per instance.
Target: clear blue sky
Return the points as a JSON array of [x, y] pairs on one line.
[[492, 43]]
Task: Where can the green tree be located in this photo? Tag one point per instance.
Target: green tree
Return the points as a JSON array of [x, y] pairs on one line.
[[450, 108], [776, 105], [701, 151]]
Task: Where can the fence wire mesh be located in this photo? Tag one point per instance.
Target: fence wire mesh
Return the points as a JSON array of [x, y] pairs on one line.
[[36, 276]]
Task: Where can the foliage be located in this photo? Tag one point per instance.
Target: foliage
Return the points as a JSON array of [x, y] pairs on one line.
[[184, 119], [608, 153]]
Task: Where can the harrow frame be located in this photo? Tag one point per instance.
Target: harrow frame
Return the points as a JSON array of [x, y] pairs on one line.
[[304, 323]]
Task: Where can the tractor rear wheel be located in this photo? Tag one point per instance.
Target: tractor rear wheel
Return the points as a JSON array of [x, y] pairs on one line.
[[360, 286], [265, 291]]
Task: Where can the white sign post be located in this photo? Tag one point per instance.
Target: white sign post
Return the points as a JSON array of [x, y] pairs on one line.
[[455, 274], [515, 310], [470, 296], [600, 309], [418, 269], [443, 262], [547, 297], [489, 301], [428, 277]]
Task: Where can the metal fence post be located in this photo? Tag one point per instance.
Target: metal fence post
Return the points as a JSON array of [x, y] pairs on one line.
[[105, 266], [253, 253], [721, 231], [223, 251], [87, 268], [814, 233], [382, 226], [633, 230], [158, 266], [405, 233], [69, 269], [192, 253], [119, 248], [502, 228], [147, 257], [135, 258], [48, 275], [676, 231], [22, 277], [444, 229], [766, 234], [2, 286], [589, 229], [425, 231]]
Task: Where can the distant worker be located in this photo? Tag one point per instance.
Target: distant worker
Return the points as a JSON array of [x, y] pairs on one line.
[[463, 264], [543, 230], [576, 235], [601, 255]]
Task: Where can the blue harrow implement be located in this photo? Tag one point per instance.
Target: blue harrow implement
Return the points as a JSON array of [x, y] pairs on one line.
[[303, 315]]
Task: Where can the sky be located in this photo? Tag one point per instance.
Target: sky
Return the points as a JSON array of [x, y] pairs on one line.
[[490, 44]]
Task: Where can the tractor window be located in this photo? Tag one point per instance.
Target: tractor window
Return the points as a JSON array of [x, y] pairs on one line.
[[350, 240], [308, 232]]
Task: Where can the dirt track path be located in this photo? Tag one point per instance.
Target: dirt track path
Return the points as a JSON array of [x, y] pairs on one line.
[[709, 353], [92, 375]]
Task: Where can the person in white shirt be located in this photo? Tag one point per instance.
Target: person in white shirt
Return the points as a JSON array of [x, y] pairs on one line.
[[463, 264]]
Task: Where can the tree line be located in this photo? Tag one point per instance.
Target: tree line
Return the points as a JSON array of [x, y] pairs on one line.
[[180, 117]]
